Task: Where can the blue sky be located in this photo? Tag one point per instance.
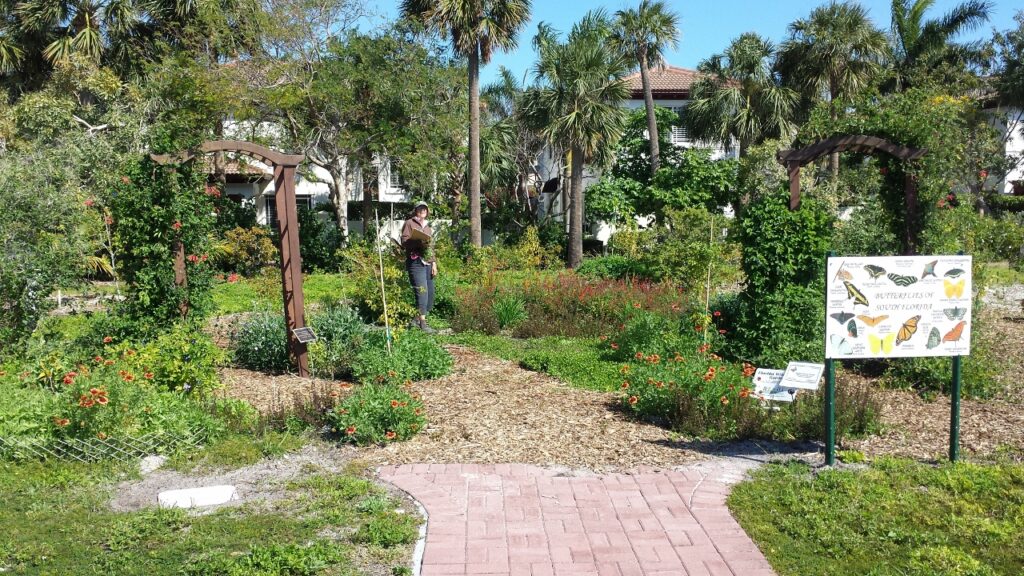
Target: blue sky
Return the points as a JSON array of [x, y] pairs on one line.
[[707, 26]]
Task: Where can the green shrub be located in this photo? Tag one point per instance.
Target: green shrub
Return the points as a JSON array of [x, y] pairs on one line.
[[509, 310], [246, 250], [365, 266], [184, 359], [319, 241], [388, 529], [781, 326], [340, 333], [614, 267], [261, 343], [376, 414], [870, 231], [1005, 203], [414, 356]]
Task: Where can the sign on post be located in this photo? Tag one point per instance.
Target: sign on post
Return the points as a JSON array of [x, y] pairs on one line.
[[898, 307]]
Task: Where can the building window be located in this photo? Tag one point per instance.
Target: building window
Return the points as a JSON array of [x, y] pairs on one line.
[[302, 202], [395, 179]]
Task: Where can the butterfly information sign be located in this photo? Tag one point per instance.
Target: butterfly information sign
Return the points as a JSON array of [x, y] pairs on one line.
[[767, 386], [898, 306]]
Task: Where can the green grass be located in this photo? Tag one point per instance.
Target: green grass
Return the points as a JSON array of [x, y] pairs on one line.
[[238, 450], [896, 517], [577, 361], [1001, 274], [56, 520], [262, 293]]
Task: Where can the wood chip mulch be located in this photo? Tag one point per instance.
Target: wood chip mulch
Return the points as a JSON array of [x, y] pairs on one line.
[[492, 411], [274, 395]]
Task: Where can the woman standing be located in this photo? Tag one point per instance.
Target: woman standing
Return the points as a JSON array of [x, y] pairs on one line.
[[417, 241]]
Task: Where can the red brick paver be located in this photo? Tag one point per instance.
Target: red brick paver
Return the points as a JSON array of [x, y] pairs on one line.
[[522, 520]]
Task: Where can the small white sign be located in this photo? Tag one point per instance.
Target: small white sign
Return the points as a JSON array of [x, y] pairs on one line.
[[802, 375], [766, 386]]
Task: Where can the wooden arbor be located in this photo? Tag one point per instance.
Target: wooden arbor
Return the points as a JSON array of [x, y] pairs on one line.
[[284, 166], [793, 160]]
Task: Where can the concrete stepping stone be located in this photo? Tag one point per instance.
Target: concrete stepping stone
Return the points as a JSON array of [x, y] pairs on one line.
[[197, 497]]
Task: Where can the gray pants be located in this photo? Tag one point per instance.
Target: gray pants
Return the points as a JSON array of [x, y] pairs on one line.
[[422, 284]]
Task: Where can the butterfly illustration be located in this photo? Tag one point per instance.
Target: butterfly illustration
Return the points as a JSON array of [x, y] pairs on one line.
[[851, 329], [933, 338], [907, 330], [841, 345], [844, 274], [881, 343], [874, 271], [954, 334], [853, 292], [872, 320], [954, 313], [901, 280], [841, 317], [954, 273], [954, 289], [929, 269]]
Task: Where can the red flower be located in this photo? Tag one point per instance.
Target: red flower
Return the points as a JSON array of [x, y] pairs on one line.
[[102, 400], [983, 174], [94, 391], [703, 348], [717, 313], [394, 403], [390, 435], [232, 278], [350, 430], [61, 422], [108, 362], [722, 331], [107, 339], [636, 305], [615, 346], [625, 385], [98, 359], [639, 356], [625, 369], [85, 402], [176, 225], [89, 203], [193, 258], [148, 375], [128, 377], [417, 411], [744, 392], [698, 328], [129, 352], [633, 400], [654, 358]]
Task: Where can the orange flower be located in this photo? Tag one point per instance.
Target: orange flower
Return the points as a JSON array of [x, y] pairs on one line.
[[703, 348], [390, 435], [744, 392], [636, 305], [107, 339], [639, 356], [625, 385], [654, 358], [61, 422], [350, 430], [128, 377], [108, 362], [148, 375], [633, 400], [748, 370], [98, 359], [102, 435], [698, 328], [85, 402], [394, 403], [102, 400], [129, 352], [417, 411], [615, 346], [659, 384], [724, 401], [715, 357], [94, 391], [625, 369], [68, 379], [176, 225]]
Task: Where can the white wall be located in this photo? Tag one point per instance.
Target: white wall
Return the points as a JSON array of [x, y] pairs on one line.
[[1014, 146], [717, 151]]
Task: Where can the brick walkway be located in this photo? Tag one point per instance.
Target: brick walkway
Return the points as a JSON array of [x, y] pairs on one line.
[[517, 520]]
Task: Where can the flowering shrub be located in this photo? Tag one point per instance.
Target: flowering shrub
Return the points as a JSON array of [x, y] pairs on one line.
[[246, 250], [109, 398], [564, 305], [378, 414], [183, 359], [414, 356]]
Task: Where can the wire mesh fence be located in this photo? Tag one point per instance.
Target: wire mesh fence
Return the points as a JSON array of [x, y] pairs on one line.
[[94, 449]]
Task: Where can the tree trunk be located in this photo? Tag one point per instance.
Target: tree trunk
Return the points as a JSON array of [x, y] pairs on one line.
[[475, 233], [339, 198], [652, 123], [575, 252], [368, 187]]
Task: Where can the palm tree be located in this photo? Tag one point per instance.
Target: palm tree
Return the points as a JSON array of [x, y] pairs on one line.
[[577, 104], [917, 44], [476, 28], [509, 145], [740, 96], [832, 55], [643, 34]]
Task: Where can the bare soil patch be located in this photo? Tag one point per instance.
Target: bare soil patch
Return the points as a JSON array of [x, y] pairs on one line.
[[275, 394]]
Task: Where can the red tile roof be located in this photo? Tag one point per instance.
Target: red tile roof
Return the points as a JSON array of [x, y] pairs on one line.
[[670, 81]]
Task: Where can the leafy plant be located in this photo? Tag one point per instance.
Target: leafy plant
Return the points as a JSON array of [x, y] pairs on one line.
[[341, 333], [183, 359], [262, 343], [377, 414], [509, 310], [246, 250], [414, 356]]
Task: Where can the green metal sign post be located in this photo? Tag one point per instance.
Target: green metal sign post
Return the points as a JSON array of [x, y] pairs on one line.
[[954, 413], [830, 397]]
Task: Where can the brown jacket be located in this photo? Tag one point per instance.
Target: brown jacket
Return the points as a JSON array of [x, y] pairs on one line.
[[415, 249]]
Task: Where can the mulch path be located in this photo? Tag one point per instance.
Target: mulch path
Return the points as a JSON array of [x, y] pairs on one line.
[[492, 411]]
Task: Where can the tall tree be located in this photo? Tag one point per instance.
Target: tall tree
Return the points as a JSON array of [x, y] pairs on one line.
[[740, 96], [476, 29], [577, 103], [832, 55], [921, 46], [644, 33]]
